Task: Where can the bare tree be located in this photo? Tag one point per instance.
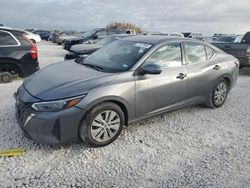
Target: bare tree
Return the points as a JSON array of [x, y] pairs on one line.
[[123, 25]]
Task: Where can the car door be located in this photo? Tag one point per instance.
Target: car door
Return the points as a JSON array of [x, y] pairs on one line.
[[154, 93], [202, 70]]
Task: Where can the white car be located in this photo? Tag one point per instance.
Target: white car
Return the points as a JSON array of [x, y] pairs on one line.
[[33, 37], [175, 34]]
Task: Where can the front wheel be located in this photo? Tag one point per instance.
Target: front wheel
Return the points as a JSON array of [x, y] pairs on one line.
[[220, 93], [102, 125]]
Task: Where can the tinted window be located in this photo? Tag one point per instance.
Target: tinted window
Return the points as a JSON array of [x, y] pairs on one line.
[[106, 40], [246, 38], [210, 52], [101, 34], [166, 56], [195, 52], [226, 39], [6, 39]]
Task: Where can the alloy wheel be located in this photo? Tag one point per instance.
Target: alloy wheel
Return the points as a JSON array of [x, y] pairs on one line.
[[220, 93], [105, 126]]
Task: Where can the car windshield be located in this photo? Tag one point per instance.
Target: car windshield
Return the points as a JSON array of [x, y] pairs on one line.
[[118, 56], [238, 39], [106, 40], [186, 34], [225, 39], [88, 34]]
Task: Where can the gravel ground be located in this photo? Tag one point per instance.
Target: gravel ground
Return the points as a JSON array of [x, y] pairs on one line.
[[191, 147]]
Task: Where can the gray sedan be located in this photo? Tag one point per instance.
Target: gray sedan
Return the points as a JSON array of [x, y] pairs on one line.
[[125, 81]]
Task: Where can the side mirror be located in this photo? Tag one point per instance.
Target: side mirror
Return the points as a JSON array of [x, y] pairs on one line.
[[150, 69], [95, 37]]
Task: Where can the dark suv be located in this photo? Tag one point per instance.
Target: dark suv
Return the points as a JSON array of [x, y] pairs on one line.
[[92, 35], [18, 55]]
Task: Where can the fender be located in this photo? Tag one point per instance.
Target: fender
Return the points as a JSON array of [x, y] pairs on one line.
[[128, 111]]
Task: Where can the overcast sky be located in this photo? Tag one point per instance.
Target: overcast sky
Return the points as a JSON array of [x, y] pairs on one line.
[[207, 16]]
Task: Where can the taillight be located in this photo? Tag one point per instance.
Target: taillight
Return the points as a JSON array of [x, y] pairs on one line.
[[33, 50], [248, 51], [237, 63]]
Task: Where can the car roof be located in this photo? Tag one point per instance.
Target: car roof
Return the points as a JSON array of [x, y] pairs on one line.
[[12, 29], [154, 39]]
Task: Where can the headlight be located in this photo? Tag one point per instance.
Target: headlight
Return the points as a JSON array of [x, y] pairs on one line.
[[53, 106]]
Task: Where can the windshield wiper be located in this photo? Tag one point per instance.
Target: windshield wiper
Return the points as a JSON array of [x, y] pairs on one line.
[[96, 67]]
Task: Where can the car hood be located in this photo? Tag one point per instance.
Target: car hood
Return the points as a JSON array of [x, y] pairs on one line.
[[65, 79], [83, 48]]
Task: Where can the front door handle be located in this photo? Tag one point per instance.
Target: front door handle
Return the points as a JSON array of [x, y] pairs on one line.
[[216, 67], [181, 76]]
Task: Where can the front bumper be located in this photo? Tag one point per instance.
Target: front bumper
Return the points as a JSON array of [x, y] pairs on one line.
[[49, 127]]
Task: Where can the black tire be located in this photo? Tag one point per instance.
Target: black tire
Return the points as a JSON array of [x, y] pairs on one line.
[[214, 101], [5, 77], [86, 124]]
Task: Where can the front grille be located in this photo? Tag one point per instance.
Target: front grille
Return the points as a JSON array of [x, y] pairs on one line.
[[23, 111]]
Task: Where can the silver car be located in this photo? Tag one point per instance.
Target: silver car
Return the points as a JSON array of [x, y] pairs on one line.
[[127, 80]]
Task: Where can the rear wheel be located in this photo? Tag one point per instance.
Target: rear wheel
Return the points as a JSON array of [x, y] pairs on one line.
[[5, 77], [10, 67], [102, 125], [220, 93]]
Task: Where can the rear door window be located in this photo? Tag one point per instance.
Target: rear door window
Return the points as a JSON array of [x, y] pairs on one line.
[[6, 39], [195, 53], [101, 34]]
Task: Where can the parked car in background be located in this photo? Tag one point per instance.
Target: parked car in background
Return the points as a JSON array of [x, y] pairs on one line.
[[30, 29], [225, 39], [130, 31], [238, 39], [18, 54], [125, 81], [66, 35], [240, 50], [148, 33], [92, 35], [175, 34], [54, 35], [33, 37], [79, 50], [43, 34], [192, 34]]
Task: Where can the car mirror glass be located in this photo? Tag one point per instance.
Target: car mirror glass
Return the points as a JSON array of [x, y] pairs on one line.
[[150, 69]]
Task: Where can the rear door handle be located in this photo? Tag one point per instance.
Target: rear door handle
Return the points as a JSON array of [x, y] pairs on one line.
[[181, 76], [216, 67]]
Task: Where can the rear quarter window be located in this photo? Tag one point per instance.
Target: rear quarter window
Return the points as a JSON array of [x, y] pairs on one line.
[[195, 53], [209, 52], [6, 39]]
